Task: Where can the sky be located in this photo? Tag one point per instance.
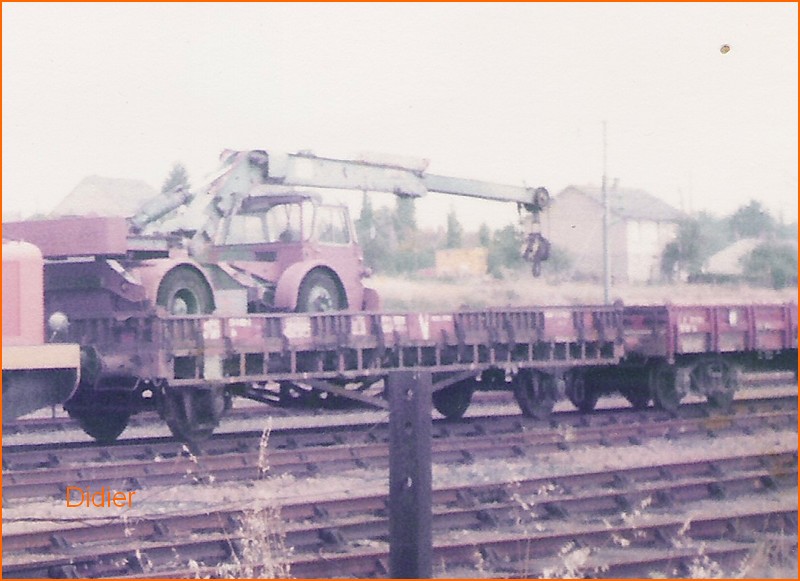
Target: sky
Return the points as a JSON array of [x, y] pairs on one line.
[[513, 93]]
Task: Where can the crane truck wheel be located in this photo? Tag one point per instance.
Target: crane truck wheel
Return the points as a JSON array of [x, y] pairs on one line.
[[320, 292], [184, 291]]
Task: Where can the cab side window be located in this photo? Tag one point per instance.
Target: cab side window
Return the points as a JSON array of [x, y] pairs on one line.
[[246, 229], [332, 226]]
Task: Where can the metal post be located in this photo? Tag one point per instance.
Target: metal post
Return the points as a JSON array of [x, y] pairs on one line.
[[606, 249], [410, 513]]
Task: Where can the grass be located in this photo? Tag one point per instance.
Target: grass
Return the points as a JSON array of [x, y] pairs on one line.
[[519, 288], [259, 550]]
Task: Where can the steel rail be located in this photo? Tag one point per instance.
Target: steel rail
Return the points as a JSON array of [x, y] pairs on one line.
[[245, 465], [351, 429], [324, 525]]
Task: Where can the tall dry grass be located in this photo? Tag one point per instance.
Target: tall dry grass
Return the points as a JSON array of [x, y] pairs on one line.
[[519, 289]]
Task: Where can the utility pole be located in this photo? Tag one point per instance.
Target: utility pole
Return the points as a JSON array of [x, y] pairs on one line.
[[606, 250]]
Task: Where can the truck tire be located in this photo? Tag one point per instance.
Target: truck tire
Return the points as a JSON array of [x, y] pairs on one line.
[[184, 291], [319, 292]]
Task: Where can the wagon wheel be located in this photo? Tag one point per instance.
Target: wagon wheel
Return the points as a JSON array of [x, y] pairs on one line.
[[535, 393], [663, 384], [719, 380], [103, 426], [639, 398], [452, 401], [192, 413], [580, 390]]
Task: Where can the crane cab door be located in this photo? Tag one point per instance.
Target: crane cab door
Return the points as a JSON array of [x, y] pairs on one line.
[[266, 235]]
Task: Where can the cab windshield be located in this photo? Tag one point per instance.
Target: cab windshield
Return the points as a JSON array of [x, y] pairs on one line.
[[278, 223], [259, 223]]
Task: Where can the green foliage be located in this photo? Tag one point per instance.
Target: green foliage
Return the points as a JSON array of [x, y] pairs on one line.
[[484, 235], [405, 216], [390, 240], [786, 231], [454, 231], [505, 250], [698, 238], [366, 220], [751, 221], [685, 252], [560, 260], [177, 178], [376, 236], [772, 264]]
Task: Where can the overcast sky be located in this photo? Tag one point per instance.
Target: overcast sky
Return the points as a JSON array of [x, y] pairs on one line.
[[514, 93]]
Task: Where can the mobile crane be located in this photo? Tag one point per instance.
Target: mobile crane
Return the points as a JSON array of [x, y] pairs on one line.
[[256, 239], [254, 218]]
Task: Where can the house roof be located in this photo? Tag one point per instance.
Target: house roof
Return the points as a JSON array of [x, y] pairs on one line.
[[728, 261], [101, 196], [630, 203]]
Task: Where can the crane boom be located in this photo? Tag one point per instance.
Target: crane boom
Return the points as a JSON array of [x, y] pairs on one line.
[[399, 176], [243, 171], [254, 172]]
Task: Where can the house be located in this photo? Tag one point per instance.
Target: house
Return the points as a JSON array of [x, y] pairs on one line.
[[101, 196], [728, 262], [640, 226]]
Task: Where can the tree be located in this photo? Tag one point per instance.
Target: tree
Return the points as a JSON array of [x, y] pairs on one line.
[[177, 178], [484, 235], [410, 253], [697, 239], [772, 264], [366, 219], [504, 250], [685, 252], [454, 231], [405, 218], [751, 221]]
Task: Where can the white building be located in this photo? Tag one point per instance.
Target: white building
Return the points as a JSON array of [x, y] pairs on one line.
[[640, 226]]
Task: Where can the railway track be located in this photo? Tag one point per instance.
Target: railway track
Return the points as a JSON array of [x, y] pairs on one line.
[[621, 521], [515, 528], [348, 428], [35, 471], [63, 422]]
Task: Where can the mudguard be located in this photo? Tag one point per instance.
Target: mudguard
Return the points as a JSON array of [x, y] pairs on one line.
[[289, 283], [151, 272]]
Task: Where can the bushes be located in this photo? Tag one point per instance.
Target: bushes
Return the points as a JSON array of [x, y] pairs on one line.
[[772, 264]]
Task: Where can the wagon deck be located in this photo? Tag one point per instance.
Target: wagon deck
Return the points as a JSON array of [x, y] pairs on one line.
[[188, 350]]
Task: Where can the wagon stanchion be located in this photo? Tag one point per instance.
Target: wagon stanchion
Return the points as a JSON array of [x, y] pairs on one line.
[[410, 511]]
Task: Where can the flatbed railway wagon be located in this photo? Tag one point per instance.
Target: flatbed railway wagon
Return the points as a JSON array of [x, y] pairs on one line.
[[189, 368], [672, 351], [36, 372]]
